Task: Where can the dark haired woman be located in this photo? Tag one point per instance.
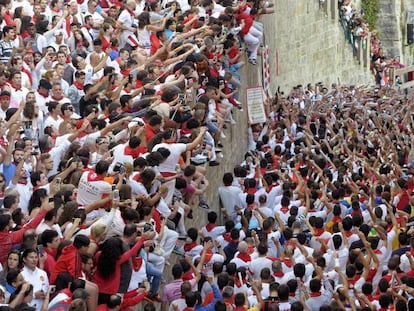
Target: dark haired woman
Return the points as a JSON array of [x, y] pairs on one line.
[[109, 260]]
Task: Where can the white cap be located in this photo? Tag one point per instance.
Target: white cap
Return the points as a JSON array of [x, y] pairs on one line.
[[75, 116], [134, 122]]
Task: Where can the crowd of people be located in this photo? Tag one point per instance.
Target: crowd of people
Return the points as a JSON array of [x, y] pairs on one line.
[[361, 35], [111, 114]]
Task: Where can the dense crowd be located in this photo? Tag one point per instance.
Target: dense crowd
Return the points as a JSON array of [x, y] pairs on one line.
[[111, 114]]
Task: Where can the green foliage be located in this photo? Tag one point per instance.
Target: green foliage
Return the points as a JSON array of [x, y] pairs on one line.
[[371, 9]]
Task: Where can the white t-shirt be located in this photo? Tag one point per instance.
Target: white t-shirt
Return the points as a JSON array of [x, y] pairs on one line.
[[256, 266], [169, 165], [92, 188], [52, 122]]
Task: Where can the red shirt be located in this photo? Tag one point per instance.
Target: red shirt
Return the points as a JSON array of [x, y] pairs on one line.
[[110, 285]]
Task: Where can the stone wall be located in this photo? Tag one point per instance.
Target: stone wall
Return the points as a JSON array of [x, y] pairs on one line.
[[389, 27], [311, 45]]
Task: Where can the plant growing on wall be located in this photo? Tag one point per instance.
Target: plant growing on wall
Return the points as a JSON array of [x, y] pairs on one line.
[[371, 11]]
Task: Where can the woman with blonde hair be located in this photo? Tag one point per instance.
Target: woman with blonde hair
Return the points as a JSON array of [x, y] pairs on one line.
[[78, 305], [98, 235]]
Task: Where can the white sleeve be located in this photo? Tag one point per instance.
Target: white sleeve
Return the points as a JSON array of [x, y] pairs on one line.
[[358, 284]]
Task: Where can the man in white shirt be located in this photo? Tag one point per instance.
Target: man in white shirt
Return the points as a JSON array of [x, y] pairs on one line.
[[54, 119], [92, 186], [125, 22], [18, 91], [229, 197], [35, 276], [168, 167]]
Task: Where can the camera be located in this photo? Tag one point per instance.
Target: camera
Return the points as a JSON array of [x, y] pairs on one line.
[[119, 168], [147, 227]]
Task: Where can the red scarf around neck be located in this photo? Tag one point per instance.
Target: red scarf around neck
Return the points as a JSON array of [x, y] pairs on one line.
[[245, 257], [44, 95], [188, 247], [15, 87], [210, 226], [78, 85], [319, 231], [227, 237], [278, 274]]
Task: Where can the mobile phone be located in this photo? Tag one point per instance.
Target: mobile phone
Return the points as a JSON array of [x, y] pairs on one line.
[[116, 195], [27, 124], [113, 187], [181, 98], [58, 181], [41, 250]]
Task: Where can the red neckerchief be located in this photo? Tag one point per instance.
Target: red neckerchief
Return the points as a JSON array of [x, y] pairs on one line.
[[348, 233], [125, 72], [278, 274], [132, 152], [252, 206], [319, 232], [137, 178], [22, 182], [284, 209], [187, 276], [337, 219], [209, 256], [130, 12], [317, 294], [188, 309], [15, 87], [78, 85], [251, 191], [43, 94], [245, 257], [239, 283], [57, 99], [210, 226], [137, 263], [251, 249], [3, 142], [92, 176], [378, 251], [227, 237], [357, 212], [288, 262], [189, 246]]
